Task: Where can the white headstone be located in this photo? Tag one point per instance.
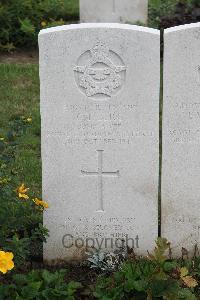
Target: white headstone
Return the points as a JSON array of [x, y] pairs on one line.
[[100, 131], [116, 11], [181, 138]]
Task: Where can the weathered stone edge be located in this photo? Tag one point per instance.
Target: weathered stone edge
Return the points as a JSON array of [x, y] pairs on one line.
[[182, 27], [99, 25]]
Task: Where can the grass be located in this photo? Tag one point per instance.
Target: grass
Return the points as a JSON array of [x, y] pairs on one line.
[[19, 96]]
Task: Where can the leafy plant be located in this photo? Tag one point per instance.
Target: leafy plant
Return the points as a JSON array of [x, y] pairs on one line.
[[40, 285], [158, 9], [21, 20], [21, 229], [153, 278], [106, 261]]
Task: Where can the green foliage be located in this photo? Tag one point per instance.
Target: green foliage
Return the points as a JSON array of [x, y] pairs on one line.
[[158, 9], [21, 231], [153, 278], [106, 261], [21, 20], [40, 285]]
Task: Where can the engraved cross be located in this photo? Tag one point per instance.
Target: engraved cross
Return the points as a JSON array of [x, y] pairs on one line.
[[100, 174]]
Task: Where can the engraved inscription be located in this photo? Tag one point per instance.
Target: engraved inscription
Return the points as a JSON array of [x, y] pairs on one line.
[[100, 175], [101, 124], [100, 226], [186, 134], [100, 72], [192, 222]]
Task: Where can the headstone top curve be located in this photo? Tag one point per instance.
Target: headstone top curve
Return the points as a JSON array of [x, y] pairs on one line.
[[99, 25], [182, 27]]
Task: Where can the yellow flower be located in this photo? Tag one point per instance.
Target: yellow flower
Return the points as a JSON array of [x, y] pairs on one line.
[[29, 120], [188, 280], [2, 138], [43, 23], [41, 203], [6, 262], [22, 190], [23, 196]]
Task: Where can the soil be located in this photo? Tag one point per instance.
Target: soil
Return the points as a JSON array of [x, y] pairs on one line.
[[20, 57]]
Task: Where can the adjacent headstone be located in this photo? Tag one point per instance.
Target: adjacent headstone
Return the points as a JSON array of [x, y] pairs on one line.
[[116, 11], [100, 137], [181, 138]]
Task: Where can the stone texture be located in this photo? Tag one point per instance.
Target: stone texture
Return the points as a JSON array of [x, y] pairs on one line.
[[116, 11], [181, 138], [100, 131]]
